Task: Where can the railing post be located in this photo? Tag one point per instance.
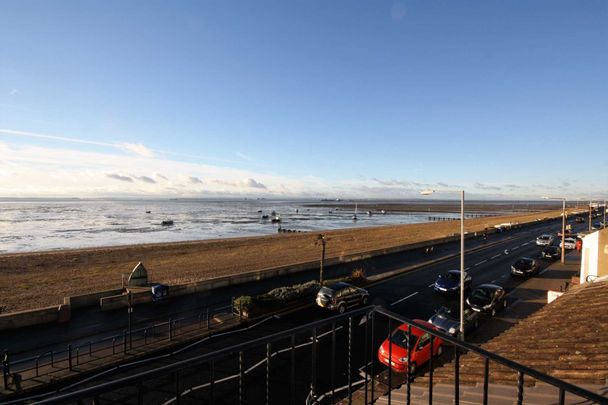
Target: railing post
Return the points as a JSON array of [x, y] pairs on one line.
[[37, 361], [78, 356], [365, 355], [90, 349], [200, 320], [268, 355], [170, 329], [52, 358], [520, 388], [70, 357], [140, 393], [124, 342], [208, 320], [313, 379], [212, 382], [486, 374], [456, 375], [390, 361], [350, 348], [293, 370], [430, 374], [6, 368], [241, 377], [333, 360], [409, 363], [113, 345], [178, 393], [371, 371], [562, 396], [145, 336]]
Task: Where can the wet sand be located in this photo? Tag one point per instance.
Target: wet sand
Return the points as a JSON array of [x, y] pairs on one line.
[[31, 280]]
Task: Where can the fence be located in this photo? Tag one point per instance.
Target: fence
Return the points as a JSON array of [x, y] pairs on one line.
[[318, 363]]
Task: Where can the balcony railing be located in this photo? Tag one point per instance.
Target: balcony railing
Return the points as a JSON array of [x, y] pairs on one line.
[[322, 362]]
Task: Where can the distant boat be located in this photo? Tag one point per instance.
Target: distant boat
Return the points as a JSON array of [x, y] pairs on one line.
[[167, 222], [273, 213], [147, 212], [276, 219], [265, 216], [259, 211]]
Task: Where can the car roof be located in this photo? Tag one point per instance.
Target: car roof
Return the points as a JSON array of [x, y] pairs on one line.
[[339, 285], [525, 258], [490, 287], [415, 330]]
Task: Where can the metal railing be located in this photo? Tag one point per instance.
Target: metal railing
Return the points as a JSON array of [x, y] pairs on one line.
[[317, 363], [75, 355]]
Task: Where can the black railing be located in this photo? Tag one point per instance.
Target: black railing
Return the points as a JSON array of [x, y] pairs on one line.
[[75, 355], [317, 363]]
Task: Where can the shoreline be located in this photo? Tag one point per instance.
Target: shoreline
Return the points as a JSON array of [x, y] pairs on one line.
[[38, 279]]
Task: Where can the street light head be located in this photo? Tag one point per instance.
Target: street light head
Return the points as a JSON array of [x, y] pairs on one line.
[[427, 192]]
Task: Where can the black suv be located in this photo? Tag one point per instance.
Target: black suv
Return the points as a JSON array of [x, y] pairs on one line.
[[524, 266], [340, 295]]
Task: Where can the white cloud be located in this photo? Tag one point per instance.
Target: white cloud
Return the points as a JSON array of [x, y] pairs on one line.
[[136, 148], [13, 92], [253, 183]]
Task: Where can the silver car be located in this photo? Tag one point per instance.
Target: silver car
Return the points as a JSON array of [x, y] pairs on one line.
[[544, 240]]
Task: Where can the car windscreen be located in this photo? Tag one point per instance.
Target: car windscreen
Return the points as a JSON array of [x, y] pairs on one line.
[[399, 338], [444, 313], [453, 276], [481, 293]]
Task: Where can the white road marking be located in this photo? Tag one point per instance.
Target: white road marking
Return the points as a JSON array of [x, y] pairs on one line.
[[431, 285], [404, 298], [481, 262], [524, 244], [495, 256], [514, 248], [467, 269]]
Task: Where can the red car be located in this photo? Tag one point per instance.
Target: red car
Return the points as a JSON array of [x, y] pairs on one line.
[[420, 347]]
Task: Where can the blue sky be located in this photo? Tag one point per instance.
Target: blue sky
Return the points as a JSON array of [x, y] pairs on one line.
[[311, 98]]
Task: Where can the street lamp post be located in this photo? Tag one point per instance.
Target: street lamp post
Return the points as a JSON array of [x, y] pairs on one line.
[[461, 192], [563, 224]]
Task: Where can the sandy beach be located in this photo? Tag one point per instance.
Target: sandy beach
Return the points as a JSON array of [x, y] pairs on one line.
[[30, 280]]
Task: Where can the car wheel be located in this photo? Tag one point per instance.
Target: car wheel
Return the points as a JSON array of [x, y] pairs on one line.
[[365, 300], [493, 311], [341, 308]]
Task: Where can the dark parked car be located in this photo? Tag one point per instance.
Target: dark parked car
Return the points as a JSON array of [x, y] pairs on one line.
[[579, 220], [524, 266], [551, 253], [448, 320], [487, 298], [449, 282], [340, 296]]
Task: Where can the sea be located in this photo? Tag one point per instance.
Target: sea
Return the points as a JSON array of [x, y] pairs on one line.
[[42, 225]]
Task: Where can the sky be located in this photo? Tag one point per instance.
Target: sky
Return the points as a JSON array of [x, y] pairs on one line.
[[315, 99]]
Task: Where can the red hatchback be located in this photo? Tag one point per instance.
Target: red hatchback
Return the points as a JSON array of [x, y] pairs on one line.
[[420, 346]]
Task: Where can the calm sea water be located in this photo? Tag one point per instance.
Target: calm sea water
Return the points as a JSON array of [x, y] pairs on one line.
[[57, 224]]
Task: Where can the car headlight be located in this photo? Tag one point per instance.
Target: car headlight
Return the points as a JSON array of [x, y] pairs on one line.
[[452, 330], [487, 306], [382, 350]]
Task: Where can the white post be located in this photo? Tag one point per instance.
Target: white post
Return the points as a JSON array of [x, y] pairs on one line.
[[462, 265]]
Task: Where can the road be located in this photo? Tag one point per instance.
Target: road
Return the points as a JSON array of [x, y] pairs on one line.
[[409, 294]]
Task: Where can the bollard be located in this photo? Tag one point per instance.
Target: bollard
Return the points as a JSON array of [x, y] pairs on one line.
[[70, 357]]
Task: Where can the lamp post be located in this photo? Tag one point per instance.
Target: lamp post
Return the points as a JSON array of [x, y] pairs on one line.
[[563, 224], [461, 192]]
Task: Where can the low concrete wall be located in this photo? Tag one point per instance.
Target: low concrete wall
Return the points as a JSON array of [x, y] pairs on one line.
[[22, 319], [89, 300]]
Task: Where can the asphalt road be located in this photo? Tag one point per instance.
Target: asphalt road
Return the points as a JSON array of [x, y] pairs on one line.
[[410, 294]]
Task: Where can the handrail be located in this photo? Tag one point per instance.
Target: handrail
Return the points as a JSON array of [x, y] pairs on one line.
[[369, 311]]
